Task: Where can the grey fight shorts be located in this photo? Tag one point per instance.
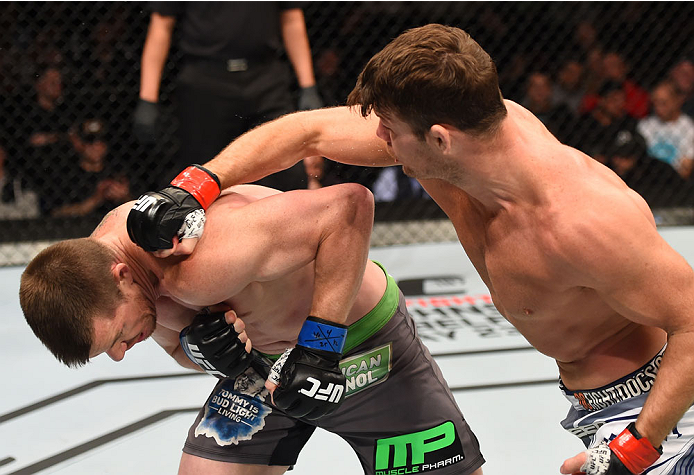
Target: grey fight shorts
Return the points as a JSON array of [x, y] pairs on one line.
[[399, 415]]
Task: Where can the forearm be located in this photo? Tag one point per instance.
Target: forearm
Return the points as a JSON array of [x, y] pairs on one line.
[[337, 133], [181, 358], [154, 54], [673, 390], [297, 46]]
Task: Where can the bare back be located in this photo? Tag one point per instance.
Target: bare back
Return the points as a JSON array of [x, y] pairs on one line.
[[274, 307], [527, 256]]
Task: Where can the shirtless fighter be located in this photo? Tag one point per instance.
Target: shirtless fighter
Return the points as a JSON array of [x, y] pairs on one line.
[[571, 256], [356, 365]]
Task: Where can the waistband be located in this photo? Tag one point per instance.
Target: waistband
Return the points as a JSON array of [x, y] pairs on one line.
[[364, 328], [632, 385]]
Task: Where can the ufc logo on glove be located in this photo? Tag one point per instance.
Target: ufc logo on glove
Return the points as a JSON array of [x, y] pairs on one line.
[[310, 382], [332, 393]]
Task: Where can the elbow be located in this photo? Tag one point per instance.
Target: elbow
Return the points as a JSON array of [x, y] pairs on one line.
[[359, 209]]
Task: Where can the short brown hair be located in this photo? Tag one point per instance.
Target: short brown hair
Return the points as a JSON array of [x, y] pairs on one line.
[[62, 289], [432, 74]]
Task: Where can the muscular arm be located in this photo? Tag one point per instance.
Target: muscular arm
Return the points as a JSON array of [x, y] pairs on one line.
[[639, 275], [337, 133], [296, 44], [154, 54], [276, 235]]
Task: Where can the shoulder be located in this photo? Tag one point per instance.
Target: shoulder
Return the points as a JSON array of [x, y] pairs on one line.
[[114, 220]]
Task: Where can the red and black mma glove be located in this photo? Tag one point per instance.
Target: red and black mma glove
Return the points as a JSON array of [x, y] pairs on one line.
[[311, 384], [213, 344], [177, 210], [626, 454]]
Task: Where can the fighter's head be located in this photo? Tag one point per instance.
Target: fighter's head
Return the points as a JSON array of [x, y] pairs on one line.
[[80, 301], [430, 75]]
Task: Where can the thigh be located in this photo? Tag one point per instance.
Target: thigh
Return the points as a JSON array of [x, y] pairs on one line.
[[192, 465], [400, 416]]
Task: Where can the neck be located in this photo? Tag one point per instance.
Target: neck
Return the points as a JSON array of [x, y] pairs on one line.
[[494, 170], [146, 269]]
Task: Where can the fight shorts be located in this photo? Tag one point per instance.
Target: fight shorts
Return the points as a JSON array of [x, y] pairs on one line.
[[399, 415], [599, 415]]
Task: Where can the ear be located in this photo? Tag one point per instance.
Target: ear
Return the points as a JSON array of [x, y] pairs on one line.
[[440, 138], [121, 272]]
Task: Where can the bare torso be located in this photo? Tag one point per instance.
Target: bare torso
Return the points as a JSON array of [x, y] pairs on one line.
[[518, 257], [273, 311]]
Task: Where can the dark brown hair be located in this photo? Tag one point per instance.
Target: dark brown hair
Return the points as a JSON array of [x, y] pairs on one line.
[[62, 289], [432, 75]]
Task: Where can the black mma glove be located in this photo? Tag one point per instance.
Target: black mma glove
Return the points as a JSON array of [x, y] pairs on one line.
[[309, 98], [145, 121], [211, 343], [177, 210], [311, 384], [626, 454]]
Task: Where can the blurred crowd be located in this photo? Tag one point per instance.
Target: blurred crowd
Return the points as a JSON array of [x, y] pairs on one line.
[[69, 82]]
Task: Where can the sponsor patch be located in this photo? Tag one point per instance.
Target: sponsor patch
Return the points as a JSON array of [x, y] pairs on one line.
[[419, 452], [367, 369], [235, 412]]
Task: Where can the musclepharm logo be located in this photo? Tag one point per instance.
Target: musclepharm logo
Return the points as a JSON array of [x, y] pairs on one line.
[[331, 393], [418, 452], [144, 202]]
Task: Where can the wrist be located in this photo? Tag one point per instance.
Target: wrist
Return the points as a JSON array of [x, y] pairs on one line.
[[319, 334], [637, 453], [201, 183]]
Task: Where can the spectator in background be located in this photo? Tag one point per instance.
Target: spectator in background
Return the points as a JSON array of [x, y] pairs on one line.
[[615, 69], [539, 100], [656, 181], [232, 77], [570, 88], [45, 118], [669, 132], [682, 75], [90, 185], [17, 201], [595, 131]]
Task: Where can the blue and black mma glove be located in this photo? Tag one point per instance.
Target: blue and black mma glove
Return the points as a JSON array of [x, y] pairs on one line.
[[214, 345], [310, 382], [177, 210], [627, 454]]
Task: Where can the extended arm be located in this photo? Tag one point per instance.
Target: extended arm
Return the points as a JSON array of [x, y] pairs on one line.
[[338, 133], [158, 219]]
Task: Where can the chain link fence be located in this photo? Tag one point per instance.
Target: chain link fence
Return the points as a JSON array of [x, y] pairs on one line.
[[614, 79]]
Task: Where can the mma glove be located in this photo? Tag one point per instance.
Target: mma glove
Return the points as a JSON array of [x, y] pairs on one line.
[[213, 344], [145, 121], [309, 98], [177, 210], [627, 454], [311, 384]]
